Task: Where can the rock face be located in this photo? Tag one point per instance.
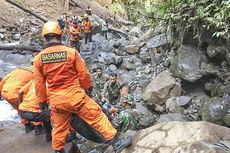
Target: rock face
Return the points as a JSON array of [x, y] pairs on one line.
[[183, 137], [157, 41], [162, 88], [187, 63], [216, 111]]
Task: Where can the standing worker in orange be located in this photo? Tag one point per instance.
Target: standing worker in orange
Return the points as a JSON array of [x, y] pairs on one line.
[[87, 26], [30, 110], [9, 87], [75, 36], [60, 73], [88, 10]]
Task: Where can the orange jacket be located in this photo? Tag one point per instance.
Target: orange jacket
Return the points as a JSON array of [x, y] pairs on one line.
[[29, 102], [61, 71], [14, 81], [73, 33], [87, 26]]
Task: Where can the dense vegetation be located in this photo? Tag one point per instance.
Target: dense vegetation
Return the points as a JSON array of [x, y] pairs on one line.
[[181, 14]]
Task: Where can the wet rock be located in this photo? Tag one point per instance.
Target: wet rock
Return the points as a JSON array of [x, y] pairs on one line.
[[132, 49], [157, 41], [216, 110], [162, 88], [172, 117], [187, 63], [217, 52], [184, 137], [131, 63]]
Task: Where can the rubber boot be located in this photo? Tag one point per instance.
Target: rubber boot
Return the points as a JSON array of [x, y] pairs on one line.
[[29, 127], [48, 130], [120, 143], [39, 130], [60, 151]]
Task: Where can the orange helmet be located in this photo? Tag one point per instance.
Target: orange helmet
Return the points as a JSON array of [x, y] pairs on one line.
[[51, 27]]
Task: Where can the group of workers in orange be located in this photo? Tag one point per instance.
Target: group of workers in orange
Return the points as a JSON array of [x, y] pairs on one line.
[[56, 87], [79, 27]]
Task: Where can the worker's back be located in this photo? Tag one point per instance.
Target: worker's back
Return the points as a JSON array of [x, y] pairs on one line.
[[62, 69], [14, 81]]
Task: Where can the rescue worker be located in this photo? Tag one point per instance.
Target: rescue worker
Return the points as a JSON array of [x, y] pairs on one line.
[[104, 29], [88, 10], [66, 33], [126, 119], [9, 87], [87, 27], [98, 84], [111, 91], [30, 110], [60, 73], [75, 36]]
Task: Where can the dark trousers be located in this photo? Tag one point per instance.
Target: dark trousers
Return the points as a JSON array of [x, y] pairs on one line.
[[43, 117], [75, 44], [88, 36], [104, 33]]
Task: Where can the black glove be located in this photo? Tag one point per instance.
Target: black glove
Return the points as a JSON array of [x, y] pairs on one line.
[[43, 106], [90, 90]]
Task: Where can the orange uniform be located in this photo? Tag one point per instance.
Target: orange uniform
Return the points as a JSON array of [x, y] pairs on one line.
[[29, 102], [87, 26], [61, 73], [73, 32], [12, 83]]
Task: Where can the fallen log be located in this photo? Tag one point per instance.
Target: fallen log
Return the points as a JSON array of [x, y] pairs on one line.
[[27, 11], [118, 31], [19, 47]]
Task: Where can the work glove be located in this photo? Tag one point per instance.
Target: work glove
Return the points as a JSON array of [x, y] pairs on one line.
[[90, 90], [43, 106]]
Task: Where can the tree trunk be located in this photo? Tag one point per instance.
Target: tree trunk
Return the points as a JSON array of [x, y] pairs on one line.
[[27, 11]]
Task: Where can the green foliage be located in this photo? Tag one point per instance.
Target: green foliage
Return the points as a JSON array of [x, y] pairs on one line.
[[199, 15]]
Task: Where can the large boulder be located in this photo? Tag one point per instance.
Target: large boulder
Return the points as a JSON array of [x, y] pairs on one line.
[[157, 41], [187, 63], [183, 137], [216, 110], [172, 117], [161, 88]]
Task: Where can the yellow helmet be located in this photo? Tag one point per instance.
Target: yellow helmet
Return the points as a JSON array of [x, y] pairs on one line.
[[51, 27]]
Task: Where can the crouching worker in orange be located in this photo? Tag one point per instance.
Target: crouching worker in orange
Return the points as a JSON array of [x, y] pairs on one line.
[[60, 73], [30, 110], [9, 87]]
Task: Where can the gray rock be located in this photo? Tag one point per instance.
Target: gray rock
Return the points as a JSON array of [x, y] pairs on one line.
[[131, 63], [173, 105], [132, 49], [112, 68], [125, 78], [162, 88], [2, 36], [181, 137], [136, 31], [187, 63], [157, 41], [216, 110], [185, 101], [172, 117], [217, 52], [17, 36]]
